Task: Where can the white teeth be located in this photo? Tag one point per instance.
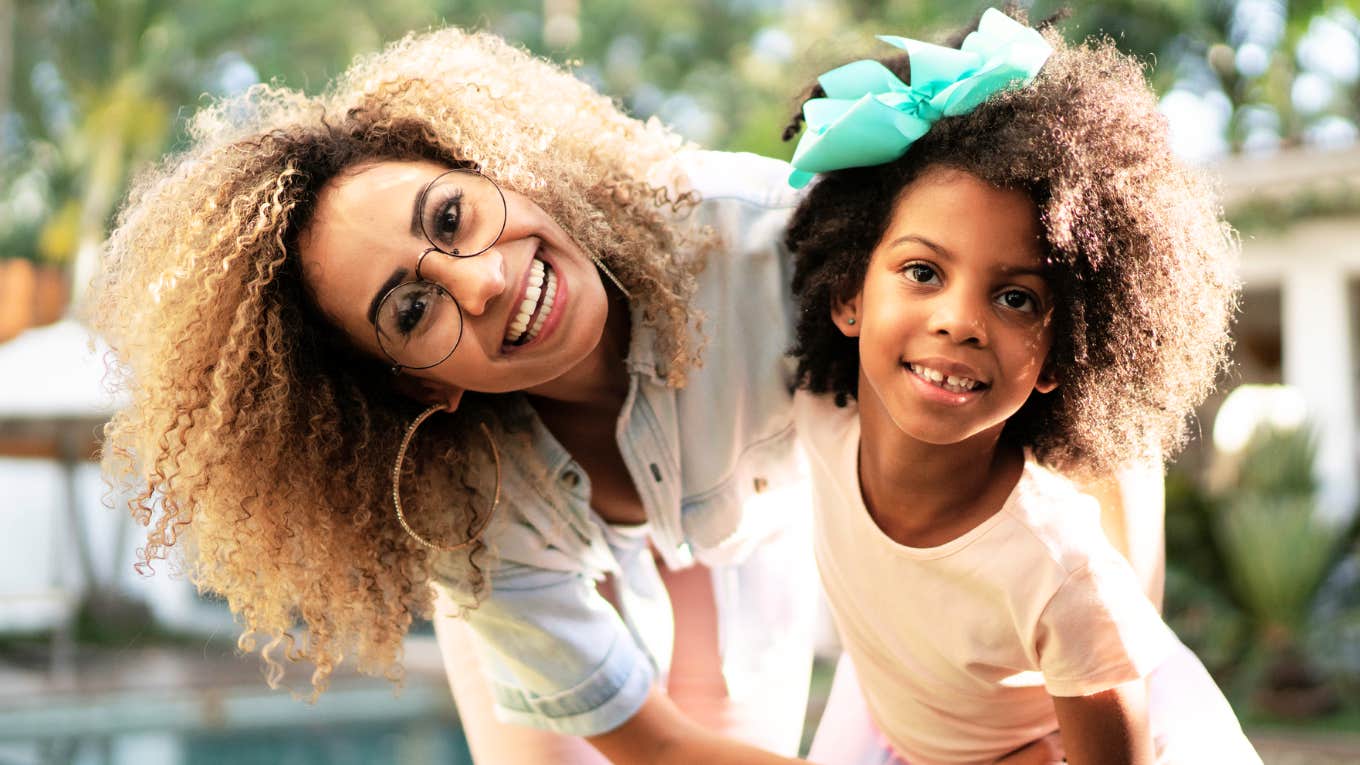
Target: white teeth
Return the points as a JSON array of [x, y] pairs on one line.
[[542, 284], [550, 293], [948, 382]]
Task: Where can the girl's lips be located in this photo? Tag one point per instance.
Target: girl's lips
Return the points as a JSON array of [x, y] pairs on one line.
[[934, 393]]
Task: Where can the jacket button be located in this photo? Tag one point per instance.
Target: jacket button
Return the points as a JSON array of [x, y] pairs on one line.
[[571, 478], [760, 484]]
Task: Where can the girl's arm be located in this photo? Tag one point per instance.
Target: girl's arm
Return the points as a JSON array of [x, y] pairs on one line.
[[660, 734], [1107, 728]]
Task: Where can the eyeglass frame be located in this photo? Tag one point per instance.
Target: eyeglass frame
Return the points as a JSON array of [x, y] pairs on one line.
[[397, 366]]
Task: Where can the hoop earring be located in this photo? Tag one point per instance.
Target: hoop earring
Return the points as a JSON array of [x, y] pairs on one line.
[[396, 484], [605, 270]]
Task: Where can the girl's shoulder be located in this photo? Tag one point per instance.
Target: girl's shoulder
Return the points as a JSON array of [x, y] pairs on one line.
[[1065, 521]]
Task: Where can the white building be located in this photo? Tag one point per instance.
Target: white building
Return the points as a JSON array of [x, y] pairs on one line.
[[1300, 317]]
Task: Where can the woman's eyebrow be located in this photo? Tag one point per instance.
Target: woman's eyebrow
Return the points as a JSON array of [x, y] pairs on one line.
[[417, 229], [392, 281]]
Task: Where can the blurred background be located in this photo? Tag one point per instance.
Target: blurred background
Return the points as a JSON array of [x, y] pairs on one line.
[[101, 665]]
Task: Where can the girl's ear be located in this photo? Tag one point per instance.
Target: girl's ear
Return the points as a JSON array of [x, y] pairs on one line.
[[1048, 380], [846, 315], [429, 392]]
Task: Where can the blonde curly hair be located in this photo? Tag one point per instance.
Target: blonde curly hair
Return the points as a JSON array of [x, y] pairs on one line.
[[257, 442]]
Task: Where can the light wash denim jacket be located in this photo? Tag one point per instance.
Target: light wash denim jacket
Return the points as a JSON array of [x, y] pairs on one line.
[[721, 480]]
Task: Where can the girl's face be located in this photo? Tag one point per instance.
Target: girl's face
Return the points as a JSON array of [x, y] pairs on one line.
[[954, 316], [366, 237]]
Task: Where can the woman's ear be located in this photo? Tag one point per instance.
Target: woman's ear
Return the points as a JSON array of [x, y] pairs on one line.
[[846, 315], [429, 392]]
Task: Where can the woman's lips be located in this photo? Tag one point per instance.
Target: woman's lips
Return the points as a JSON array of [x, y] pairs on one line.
[[545, 312]]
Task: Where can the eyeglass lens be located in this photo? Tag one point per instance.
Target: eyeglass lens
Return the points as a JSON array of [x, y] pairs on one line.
[[462, 213]]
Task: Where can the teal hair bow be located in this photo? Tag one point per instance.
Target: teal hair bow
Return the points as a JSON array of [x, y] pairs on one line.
[[869, 116]]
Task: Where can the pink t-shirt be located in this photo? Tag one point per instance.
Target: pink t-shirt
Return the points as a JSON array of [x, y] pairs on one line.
[[959, 647]]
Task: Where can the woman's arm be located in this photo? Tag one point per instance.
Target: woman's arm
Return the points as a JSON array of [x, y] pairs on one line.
[[1106, 728], [1132, 512], [489, 739], [660, 734]]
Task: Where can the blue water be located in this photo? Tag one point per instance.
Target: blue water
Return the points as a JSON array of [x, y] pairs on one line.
[[418, 742]]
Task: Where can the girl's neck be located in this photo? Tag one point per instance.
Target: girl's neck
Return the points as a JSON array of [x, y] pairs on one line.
[[924, 495]]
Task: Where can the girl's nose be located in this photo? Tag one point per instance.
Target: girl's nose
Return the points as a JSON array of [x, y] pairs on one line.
[[474, 281], [959, 317]]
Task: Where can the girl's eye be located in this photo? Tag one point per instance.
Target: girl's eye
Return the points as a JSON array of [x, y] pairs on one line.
[[1018, 300], [921, 273]]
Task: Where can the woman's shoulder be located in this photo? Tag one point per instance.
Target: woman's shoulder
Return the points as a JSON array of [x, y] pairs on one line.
[[740, 176]]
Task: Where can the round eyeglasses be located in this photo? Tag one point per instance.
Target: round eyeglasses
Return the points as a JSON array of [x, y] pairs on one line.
[[419, 323]]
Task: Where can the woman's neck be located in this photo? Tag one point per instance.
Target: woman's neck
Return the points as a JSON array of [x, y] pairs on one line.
[[600, 380], [924, 495]]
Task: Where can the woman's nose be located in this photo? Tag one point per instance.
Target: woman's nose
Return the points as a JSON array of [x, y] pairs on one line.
[[474, 281], [960, 317]]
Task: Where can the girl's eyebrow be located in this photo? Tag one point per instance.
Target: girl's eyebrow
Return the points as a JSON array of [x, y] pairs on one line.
[[392, 281], [1024, 271], [905, 238], [945, 253]]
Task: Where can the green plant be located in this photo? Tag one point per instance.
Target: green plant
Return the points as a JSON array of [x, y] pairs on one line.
[[1277, 552]]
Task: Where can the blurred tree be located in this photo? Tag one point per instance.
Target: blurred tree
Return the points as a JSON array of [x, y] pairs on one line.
[[1246, 565], [95, 87], [89, 89]]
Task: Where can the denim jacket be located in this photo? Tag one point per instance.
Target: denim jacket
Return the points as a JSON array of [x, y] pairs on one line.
[[720, 476]]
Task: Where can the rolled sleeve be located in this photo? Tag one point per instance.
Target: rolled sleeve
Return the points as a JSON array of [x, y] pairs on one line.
[[556, 654]]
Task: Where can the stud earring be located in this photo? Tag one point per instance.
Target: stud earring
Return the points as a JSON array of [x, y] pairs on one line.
[[850, 321]]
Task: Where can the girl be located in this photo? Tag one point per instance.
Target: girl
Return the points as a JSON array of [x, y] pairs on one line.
[[1005, 269]]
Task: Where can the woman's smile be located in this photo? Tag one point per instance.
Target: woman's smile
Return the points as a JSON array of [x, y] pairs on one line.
[[539, 306]]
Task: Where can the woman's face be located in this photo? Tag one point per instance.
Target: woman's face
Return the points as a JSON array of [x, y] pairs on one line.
[[532, 305]]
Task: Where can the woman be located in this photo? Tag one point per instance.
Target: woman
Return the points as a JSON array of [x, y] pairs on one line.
[[465, 282]]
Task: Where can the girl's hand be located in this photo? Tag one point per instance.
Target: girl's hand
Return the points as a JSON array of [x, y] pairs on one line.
[[1046, 751]]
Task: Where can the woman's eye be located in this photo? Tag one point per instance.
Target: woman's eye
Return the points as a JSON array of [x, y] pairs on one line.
[[920, 272], [411, 311], [1018, 300], [443, 221]]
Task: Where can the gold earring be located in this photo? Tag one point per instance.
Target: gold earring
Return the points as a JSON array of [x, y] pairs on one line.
[[396, 483], [605, 269]]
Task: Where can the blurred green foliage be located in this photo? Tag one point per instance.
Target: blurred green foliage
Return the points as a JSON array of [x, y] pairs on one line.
[[1246, 564], [92, 89]]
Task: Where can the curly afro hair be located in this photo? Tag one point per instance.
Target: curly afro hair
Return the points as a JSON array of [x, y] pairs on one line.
[[1139, 258]]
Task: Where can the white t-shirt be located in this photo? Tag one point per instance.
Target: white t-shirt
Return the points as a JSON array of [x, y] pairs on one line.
[[959, 647]]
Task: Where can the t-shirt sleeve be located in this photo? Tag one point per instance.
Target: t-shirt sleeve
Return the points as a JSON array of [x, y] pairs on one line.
[[1098, 631], [557, 655]]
